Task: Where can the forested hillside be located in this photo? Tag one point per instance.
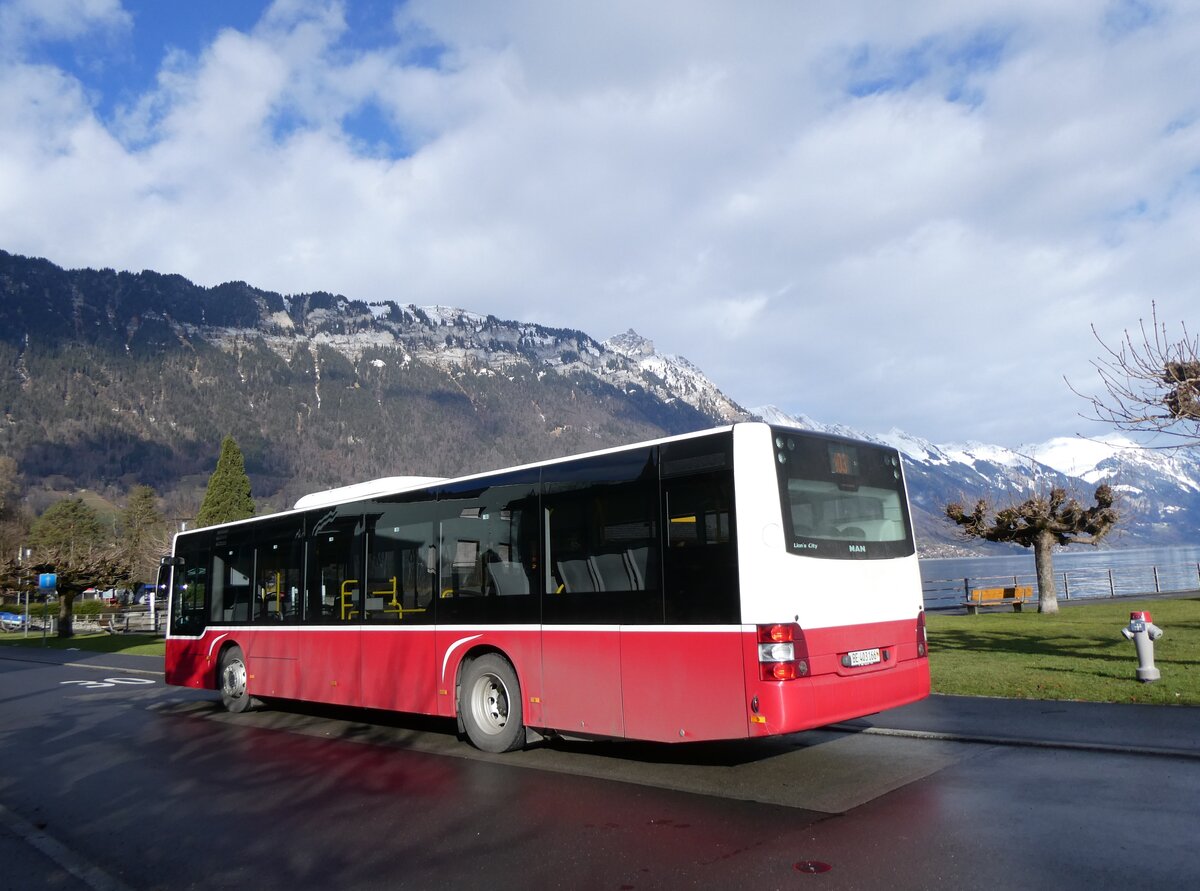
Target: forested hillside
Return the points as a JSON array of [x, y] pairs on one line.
[[110, 379]]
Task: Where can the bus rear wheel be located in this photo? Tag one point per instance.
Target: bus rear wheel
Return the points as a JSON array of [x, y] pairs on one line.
[[231, 679], [490, 705]]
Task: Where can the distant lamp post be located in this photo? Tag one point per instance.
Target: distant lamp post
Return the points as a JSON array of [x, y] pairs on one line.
[[23, 555]]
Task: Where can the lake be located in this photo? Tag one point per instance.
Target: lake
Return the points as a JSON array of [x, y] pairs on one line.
[[1078, 572]]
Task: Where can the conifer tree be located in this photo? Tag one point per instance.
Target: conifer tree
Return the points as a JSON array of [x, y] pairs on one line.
[[228, 494], [10, 489]]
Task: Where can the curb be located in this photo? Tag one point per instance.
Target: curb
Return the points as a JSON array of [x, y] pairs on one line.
[[1023, 742]]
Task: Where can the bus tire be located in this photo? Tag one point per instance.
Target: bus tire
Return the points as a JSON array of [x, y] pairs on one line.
[[489, 704], [231, 681]]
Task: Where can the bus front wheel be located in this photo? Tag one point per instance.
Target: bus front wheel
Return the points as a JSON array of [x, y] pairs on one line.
[[490, 705], [231, 678]]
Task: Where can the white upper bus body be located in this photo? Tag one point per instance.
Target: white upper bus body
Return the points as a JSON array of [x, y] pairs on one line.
[[778, 585]]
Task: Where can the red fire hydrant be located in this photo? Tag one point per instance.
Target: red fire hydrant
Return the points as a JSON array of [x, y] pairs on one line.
[[1143, 633]]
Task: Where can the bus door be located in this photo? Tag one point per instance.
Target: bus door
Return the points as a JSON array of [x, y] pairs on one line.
[[397, 622], [186, 662], [329, 639], [600, 521], [275, 608], [699, 646]]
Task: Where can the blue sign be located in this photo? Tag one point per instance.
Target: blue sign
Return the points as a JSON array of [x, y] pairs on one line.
[[48, 580]]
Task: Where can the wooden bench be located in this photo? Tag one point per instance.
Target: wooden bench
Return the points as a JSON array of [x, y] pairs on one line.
[[1014, 596]]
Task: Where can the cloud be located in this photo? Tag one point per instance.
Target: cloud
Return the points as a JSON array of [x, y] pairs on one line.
[[881, 217], [28, 22]]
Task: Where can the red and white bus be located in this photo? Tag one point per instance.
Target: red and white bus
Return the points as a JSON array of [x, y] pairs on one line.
[[740, 582]]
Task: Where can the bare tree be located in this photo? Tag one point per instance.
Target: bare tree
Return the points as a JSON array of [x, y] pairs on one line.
[[143, 534], [1151, 382], [69, 540], [1040, 522], [79, 567]]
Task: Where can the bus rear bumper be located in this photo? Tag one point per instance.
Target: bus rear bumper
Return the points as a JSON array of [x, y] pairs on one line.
[[806, 703]]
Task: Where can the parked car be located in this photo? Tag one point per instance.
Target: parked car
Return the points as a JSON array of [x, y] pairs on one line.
[[117, 596], [148, 591]]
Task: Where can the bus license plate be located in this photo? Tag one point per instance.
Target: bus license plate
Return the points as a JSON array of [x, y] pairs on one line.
[[864, 657]]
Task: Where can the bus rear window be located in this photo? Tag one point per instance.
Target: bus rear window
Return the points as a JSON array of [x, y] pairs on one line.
[[841, 499]]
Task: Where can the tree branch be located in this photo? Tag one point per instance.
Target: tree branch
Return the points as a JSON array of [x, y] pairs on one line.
[[1151, 382]]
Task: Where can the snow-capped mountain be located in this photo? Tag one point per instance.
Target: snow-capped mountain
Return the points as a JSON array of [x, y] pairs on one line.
[[453, 339], [1159, 492], [122, 378], [677, 375]]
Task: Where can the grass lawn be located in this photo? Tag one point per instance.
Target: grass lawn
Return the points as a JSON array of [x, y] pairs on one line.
[[133, 644], [1077, 654]]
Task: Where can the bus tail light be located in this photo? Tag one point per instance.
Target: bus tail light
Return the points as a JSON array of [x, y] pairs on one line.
[[922, 640], [782, 652]]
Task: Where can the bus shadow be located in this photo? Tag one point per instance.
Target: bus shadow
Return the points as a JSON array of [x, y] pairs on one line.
[[719, 753], [440, 735]]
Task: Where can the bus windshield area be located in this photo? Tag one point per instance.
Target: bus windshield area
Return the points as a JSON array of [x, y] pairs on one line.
[[840, 499]]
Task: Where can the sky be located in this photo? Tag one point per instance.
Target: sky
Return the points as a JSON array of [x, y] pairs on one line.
[[882, 215]]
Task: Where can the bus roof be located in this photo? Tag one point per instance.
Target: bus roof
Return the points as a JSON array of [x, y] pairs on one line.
[[383, 486], [356, 491]]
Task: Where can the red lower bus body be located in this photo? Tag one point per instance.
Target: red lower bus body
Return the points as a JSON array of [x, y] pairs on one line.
[[661, 684]]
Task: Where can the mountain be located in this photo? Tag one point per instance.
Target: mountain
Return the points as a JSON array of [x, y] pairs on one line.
[[1158, 492], [109, 379]]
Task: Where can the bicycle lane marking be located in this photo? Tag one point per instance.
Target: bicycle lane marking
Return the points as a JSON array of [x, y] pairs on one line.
[[119, 668], [109, 682]]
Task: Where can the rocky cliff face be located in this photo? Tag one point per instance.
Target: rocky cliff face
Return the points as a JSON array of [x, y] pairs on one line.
[[116, 378]]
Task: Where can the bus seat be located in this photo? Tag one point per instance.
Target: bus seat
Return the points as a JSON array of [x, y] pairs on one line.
[[610, 572], [637, 563], [576, 576], [508, 579]]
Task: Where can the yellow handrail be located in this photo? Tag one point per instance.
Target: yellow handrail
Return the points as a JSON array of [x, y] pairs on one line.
[[347, 603]]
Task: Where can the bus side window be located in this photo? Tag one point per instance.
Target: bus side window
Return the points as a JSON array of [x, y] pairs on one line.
[[399, 584], [278, 572], [401, 568], [488, 543], [189, 595], [601, 533], [232, 568], [334, 578], [700, 559]]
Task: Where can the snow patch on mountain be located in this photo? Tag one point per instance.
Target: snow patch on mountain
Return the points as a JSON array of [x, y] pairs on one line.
[[675, 373], [1109, 458], [974, 452], [1079, 457]]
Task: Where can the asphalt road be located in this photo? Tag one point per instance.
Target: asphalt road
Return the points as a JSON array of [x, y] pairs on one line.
[[110, 780]]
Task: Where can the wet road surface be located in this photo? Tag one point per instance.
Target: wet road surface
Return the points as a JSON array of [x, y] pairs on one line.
[[112, 780]]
